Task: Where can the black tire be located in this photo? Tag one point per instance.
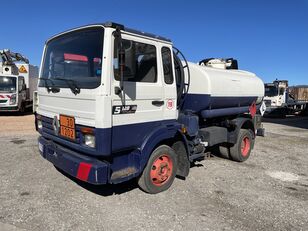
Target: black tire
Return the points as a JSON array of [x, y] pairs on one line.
[[22, 108], [183, 164], [241, 150], [156, 179], [283, 112], [224, 151]]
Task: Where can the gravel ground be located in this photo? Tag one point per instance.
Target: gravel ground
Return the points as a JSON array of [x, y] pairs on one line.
[[267, 192]]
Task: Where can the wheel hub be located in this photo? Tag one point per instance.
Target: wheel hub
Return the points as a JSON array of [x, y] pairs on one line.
[[161, 170], [245, 146]]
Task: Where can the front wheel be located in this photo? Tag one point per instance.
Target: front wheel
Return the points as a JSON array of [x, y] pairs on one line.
[[160, 171]]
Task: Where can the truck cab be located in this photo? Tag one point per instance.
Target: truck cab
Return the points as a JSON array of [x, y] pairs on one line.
[[276, 93], [279, 101], [276, 96], [109, 108], [12, 92], [17, 82]]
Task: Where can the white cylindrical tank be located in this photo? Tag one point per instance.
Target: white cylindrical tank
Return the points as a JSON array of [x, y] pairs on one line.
[[226, 91]]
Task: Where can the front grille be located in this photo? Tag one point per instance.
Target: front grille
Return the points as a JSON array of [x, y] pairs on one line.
[[48, 128], [267, 102]]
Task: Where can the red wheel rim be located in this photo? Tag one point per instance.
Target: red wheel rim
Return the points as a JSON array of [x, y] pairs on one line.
[[245, 146], [161, 170]]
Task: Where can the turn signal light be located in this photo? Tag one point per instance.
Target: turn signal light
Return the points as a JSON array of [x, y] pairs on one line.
[[86, 130]]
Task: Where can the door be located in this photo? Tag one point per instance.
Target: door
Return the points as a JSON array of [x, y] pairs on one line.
[[170, 91], [21, 90], [139, 109]]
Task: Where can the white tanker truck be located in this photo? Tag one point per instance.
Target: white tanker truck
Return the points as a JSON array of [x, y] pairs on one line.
[[115, 104]]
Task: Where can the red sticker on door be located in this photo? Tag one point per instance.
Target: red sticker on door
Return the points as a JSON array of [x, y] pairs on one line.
[[169, 103]]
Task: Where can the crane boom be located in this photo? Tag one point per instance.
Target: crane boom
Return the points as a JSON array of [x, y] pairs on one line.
[[9, 58]]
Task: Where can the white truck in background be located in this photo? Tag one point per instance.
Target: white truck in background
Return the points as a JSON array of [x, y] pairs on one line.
[[18, 81], [282, 100]]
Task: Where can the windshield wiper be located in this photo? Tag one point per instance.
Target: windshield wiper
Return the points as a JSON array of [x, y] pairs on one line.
[[52, 88], [72, 85]]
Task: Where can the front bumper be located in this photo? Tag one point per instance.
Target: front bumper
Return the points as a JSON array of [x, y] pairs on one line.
[[83, 167], [9, 108], [271, 109]]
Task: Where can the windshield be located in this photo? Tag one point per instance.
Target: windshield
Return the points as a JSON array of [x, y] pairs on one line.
[[271, 91], [7, 84], [75, 56]]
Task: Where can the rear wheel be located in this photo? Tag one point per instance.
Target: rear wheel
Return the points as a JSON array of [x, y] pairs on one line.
[[160, 170], [22, 108], [224, 151], [241, 150]]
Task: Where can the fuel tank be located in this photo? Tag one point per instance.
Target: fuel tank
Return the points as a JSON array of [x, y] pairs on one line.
[[217, 92]]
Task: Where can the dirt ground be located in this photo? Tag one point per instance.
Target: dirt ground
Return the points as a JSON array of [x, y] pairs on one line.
[[267, 192], [12, 124]]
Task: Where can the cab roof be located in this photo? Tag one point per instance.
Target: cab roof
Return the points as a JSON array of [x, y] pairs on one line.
[[121, 27]]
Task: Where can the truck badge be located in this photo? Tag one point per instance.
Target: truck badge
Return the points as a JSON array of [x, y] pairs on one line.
[[127, 109], [55, 125]]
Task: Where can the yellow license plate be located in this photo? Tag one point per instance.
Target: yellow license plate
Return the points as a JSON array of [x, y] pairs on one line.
[[67, 127]]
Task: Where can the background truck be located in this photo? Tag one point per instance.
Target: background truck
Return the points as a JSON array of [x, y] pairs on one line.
[[300, 95], [115, 103], [18, 81], [282, 100]]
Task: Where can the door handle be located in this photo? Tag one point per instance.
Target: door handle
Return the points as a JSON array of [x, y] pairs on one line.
[[158, 103]]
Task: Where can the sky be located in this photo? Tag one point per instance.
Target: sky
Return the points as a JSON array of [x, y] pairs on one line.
[[267, 37]]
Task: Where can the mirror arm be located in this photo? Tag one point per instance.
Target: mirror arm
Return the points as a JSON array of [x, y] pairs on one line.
[[122, 66], [118, 39]]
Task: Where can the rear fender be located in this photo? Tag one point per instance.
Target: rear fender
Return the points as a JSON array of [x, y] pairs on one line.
[[241, 123]]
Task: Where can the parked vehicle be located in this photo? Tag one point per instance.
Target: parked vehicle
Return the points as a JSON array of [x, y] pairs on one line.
[[282, 100], [18, 81], [300, 95], [114, 104]]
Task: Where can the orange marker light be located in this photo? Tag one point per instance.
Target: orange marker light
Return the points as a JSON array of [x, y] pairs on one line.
[[86, 130]]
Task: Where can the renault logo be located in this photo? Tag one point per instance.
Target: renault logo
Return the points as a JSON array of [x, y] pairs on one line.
[[55, 125]]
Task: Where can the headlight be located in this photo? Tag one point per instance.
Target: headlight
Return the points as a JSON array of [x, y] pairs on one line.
[[13, 99], [89, 140]]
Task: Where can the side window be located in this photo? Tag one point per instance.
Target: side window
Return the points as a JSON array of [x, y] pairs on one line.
[[167, 65], [140, 62]]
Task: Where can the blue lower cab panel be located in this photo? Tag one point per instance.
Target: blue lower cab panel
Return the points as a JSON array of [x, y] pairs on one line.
[[132, 136], [102, 134], [83, 167], [131, 146]]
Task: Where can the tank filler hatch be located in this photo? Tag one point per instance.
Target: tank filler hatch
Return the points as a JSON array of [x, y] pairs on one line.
[[221, 63]]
